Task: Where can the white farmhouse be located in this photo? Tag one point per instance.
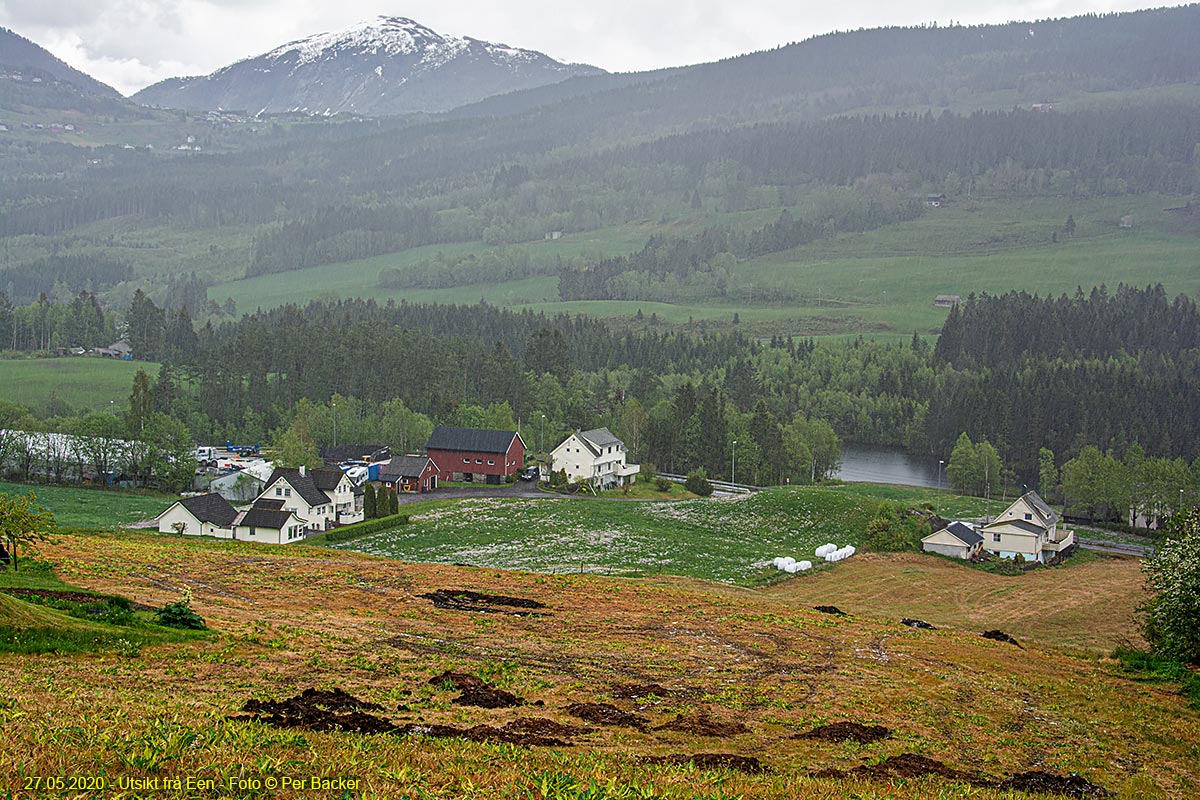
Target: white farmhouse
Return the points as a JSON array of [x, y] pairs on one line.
[[321, 497], [203, 515], [596, 457], [267, 521]]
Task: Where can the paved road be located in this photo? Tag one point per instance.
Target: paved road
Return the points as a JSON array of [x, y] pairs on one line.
[[518, 489]]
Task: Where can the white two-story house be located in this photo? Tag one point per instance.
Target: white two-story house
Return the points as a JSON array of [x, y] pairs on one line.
[[321, 497], [1028, 527], [596, 457]]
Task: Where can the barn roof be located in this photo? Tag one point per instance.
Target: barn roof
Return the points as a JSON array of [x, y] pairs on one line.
[[470, 440]]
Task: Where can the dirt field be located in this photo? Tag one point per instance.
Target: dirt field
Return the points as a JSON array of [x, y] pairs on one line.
[[1090, 606], [718, 681]]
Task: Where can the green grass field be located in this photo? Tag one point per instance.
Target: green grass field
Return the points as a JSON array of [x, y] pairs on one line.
[[84, 384], [878, 283], [94, 509], [724, 539]]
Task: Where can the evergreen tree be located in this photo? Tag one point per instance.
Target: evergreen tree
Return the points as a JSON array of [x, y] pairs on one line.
[[369, 507]]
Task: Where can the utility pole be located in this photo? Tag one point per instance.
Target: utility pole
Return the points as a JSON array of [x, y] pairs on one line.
[[542, 435], [939, 487], [333, 413], [733, 471]]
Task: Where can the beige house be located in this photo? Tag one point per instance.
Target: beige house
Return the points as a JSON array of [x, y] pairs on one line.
[[957, 540], [1028, 527], [596, 457]]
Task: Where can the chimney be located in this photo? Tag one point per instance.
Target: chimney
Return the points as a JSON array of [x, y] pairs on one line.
[[302, 471]]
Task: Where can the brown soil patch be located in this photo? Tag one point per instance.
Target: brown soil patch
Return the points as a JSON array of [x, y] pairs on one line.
[[703, 725], [917, 623], [319, 711], [546, 727], [846, 732], [831, 610], [747, 764], [476, 692], [1071, 785], [606, 714], [640, 691], [1000, 636], [467, 600]]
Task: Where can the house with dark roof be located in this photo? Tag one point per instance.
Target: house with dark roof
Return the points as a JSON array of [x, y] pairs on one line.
[[324, 498], [473, 454], [203, 515], [957, 540], [1028, 528], [596, 457], [409, 474], [269, 522]]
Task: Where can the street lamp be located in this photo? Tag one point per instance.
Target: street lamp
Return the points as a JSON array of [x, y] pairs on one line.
[[542, 435], [939, 487], [733, 471], [333, 406]]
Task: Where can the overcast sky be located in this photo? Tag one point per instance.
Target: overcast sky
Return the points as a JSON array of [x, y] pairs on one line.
[[130, 44]]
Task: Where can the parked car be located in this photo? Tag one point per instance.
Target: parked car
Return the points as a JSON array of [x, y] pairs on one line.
[[531, 473]]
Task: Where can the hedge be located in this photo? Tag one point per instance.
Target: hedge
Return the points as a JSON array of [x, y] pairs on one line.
[[366, 528]]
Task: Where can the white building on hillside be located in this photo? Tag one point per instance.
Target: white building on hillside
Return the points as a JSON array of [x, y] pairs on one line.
[[596, 457]]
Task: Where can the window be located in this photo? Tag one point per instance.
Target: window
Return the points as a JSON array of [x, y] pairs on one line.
[[1029, 516], [279, 491], [479, 461], [251, 531], [491, 462], [466, 461], [995, 537], [287, 492]]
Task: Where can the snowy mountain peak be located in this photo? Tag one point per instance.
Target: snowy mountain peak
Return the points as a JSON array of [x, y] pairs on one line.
[[383, 36], [385, 65]]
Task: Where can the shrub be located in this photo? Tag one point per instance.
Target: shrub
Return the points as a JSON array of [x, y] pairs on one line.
[[697, 482], [662, 484], [1173, 578], [366, 528], [180, 614], [648, 473]]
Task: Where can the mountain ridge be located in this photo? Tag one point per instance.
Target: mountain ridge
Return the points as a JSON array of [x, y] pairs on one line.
[[384, 66], [19, 53]]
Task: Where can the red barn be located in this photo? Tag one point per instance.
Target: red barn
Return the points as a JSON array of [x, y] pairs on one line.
[[471, 454], [410, 474]]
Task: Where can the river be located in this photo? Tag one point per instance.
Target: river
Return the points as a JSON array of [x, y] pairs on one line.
[[864, 463]]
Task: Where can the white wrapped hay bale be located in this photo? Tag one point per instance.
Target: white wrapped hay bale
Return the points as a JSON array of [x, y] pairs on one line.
[[805, 566], [792, 568], [825, 549], [779, 562]]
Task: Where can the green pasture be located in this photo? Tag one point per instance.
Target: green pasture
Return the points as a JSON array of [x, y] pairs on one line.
[[728, 539], [93, 509], [84, 384]]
